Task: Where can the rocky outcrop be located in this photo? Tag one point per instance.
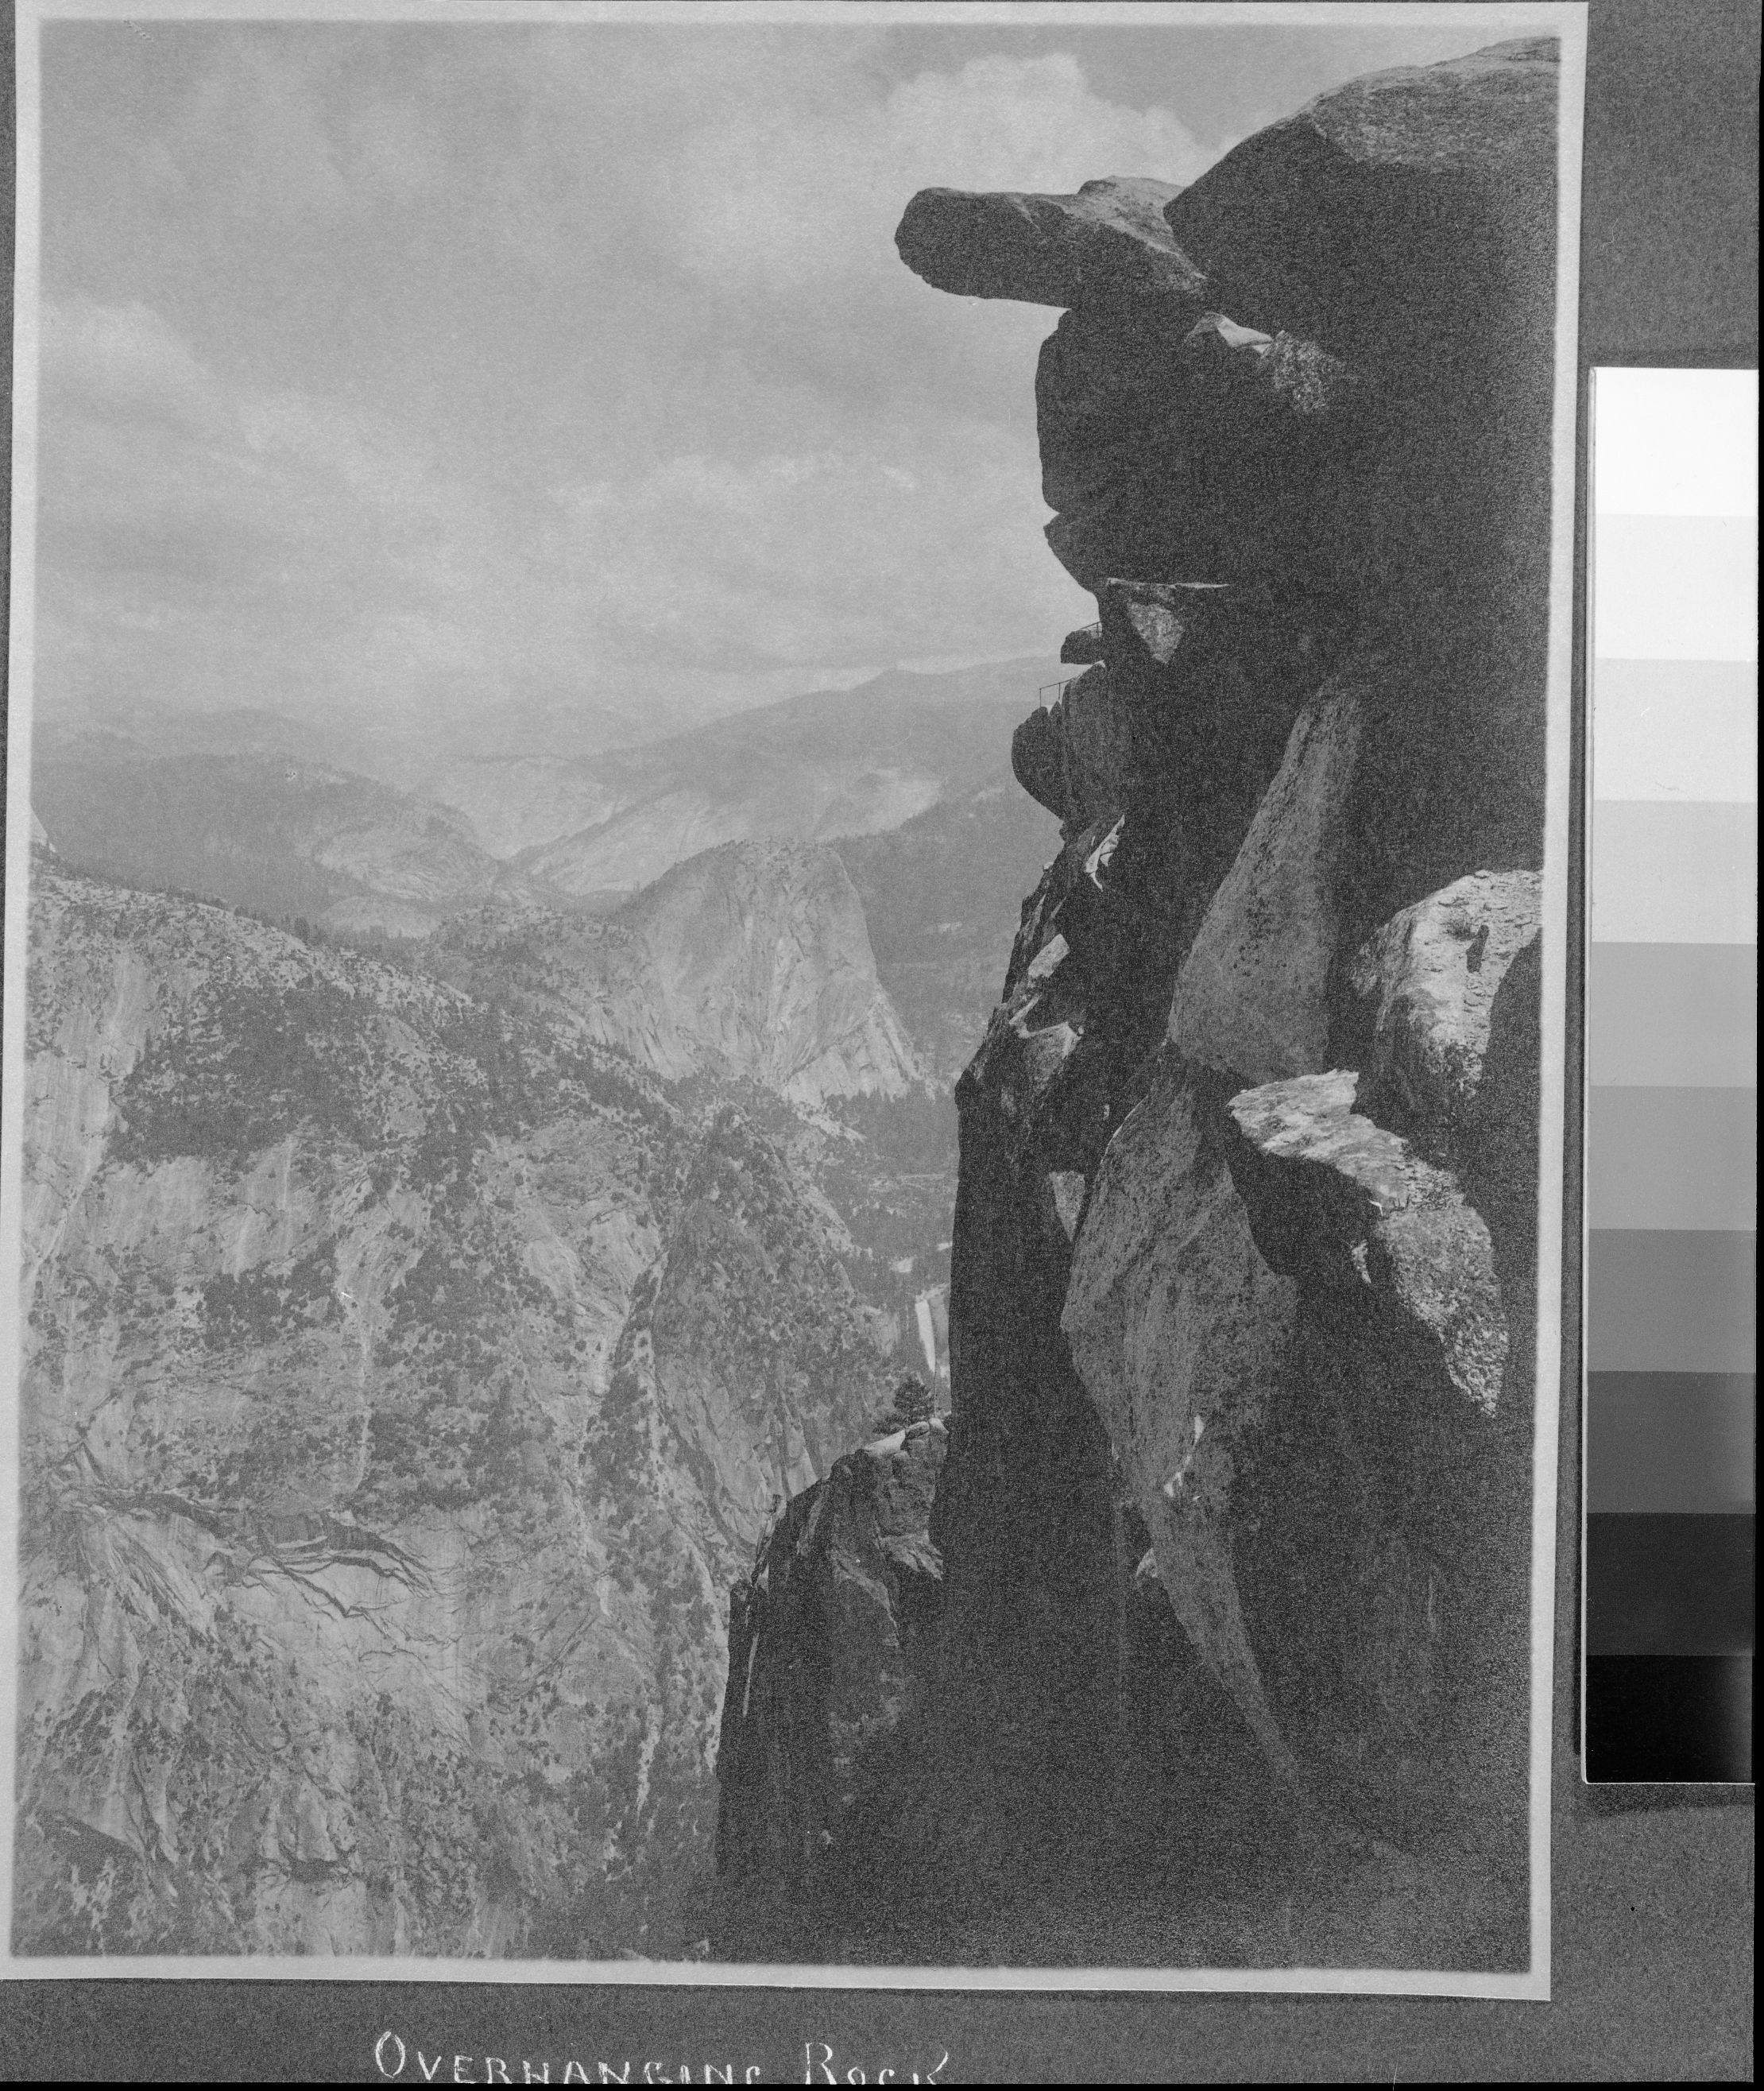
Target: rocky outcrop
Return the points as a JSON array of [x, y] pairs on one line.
[[1363, 379], [1242, 1284], [822, 1639]]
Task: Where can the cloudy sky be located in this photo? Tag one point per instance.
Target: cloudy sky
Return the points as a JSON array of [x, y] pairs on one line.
[[419, 367]]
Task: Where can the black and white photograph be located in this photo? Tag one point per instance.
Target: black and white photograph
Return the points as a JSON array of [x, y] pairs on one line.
[[786, 951]]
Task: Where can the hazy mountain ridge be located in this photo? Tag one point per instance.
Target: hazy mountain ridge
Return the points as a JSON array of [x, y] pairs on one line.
[[260, 829], [465, 726], [367, 833], [812, 768]]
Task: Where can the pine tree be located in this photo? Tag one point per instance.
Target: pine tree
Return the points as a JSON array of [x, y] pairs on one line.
[[914, 1402]]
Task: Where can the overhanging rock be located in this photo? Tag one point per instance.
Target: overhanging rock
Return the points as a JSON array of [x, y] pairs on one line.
[[1108, 243]]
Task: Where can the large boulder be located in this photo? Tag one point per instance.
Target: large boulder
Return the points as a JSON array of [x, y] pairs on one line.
[[1038, 759], [1100, 746], [1076, 755], [1406, 224], [1252, 999], [1353, 1207], [1382, 1520], [1108, 243], [1325, 220], [1427, 981]]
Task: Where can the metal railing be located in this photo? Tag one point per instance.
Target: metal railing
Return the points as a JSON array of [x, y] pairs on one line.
[[1044, 702]]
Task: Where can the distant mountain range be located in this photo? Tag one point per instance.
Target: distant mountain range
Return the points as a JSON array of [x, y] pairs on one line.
[[246, 807], [844, 762], [905, 774]]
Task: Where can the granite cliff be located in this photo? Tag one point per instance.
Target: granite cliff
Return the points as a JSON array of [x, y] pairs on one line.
[[749, 962], [407, 1377], [1229, 1652]]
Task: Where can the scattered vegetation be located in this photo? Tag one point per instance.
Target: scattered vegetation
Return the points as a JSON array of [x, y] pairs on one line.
[[268, 1302], [261, 1060]]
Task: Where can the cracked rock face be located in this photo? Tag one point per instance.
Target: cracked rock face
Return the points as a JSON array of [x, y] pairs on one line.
[[1179, 1328]]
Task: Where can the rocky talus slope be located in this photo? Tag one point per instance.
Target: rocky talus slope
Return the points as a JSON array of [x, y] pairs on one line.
[[1233, 1524], [406, 1380]]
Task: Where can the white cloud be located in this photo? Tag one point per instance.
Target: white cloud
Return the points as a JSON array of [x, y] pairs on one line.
[[126, 360], [807, 198], [213, 543], [539, 357], [826, 556], [255, 117]]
